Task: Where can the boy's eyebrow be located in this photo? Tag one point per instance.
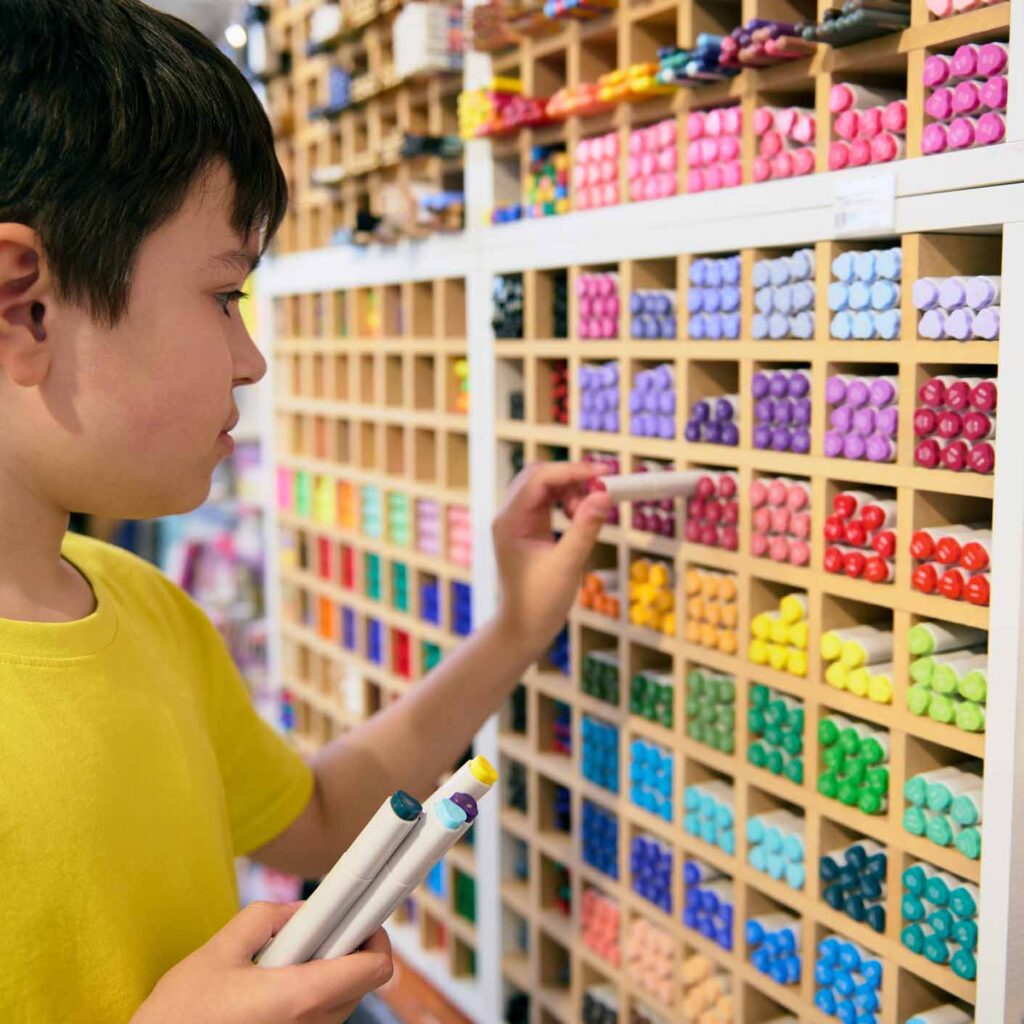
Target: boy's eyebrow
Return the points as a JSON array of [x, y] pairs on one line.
[[237, 259]]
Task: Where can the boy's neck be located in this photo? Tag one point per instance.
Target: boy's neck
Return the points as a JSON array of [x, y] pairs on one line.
[[36, 583]]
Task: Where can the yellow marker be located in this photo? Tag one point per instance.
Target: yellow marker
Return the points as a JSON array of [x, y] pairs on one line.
[[779, 632], [777, 656], [793, 608], [837, 675], [858, 680], [798, 634], [668, 624], [880, 684], [761, 625], [757, 652], [797, 663], [866, 647], [483, 771]]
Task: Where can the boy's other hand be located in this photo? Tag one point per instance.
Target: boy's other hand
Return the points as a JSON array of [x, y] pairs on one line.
[[219, 983], [539, 575]]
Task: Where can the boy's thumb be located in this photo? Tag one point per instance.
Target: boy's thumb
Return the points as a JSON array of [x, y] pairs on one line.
[[250, 929], [578, 541]]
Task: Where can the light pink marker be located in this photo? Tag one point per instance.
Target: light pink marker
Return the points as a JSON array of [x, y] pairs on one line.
[[991, 129], [962, 133], [934, 139], [887, 147], [939, 104]]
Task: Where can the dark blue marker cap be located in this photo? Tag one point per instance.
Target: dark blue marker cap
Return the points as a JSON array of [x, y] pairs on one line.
[[467, 803], [406, 807]]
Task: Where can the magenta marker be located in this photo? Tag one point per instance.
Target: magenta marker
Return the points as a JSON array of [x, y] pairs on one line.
[[939, 104], [841, 418], [967, 97], [958, 393], [962, 132], [854, 447], [894, 117], [926, 422], [858, 392], [836, 388], [883, 391], [887, 147], [937, 70], [928, 453], [954, 455], [847, 124], [870, 123], [860, 153], [964, 63], [887, 421], [864, 422], [933, 392], [979, 426], [992, 59], [994, 92], [950, 424], [983, 396], [982, 457], [934, 139], [990, 129]]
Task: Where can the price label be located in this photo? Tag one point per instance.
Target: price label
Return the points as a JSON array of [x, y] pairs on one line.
[[864, 204]]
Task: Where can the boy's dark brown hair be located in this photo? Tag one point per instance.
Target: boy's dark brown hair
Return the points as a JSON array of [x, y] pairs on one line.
[[109, 112]]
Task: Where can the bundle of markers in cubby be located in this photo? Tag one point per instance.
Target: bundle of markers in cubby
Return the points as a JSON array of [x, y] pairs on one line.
[[599, 925], [712, 514], [953, 561], [709, 814], [865, 296], [955, 423], [558, 391], [949, 674], [762, 42], [967, 95], [652, 403], [708, 902], [507, 306], [960, 308], [714, 421], [597, 300], [711, 709], [547, 182], [601, 1005], [391, 857], [853, 882], [711, 610], [599, 397], [600, 675], [785, 142], [855, 760], [859, 661], [652, 313], [775, 846], [600, 839], [940, 914], [652, 599], [649, 959], [656, 515], [857, 20], [713, 149], [863, 418], [860, 537], [600, 760], [775, 946], [944, 806], [652, 696], [871, 125], [600, 592], [595, 172], [650, 778], [460, 535], [428, 527], [650, 867], [694, 65], [775, 724], [779, 636], [611, 465], [781, 521], [782, 410], [707, 991], [848, 981], [652, 162], [713, 299], [784, 297]]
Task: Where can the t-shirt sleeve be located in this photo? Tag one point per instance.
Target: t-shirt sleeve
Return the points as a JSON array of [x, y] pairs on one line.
[[267, 784]]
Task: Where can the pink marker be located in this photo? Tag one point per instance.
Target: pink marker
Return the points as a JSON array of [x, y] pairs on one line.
[[894, 117], [937, 70], [992, 59], [805, 129], [782, 165], [982, 457], [991, 128], [940, 8], [764, 119], [954, 455], [838, 156], [762, 168], [798, 497], [925, 422], [803, 161], [732, 174], [994, 92], [979, 426], [966, 98], [887, 147], [848, 96], [928, 453], [713, 177], [847, 124], [799, 552], [958, 393], [939, 104], [860, 153], [934, 139], [983, 396], [965, 61], [962, 133], [778, 549], [870, 123], [760, 544]]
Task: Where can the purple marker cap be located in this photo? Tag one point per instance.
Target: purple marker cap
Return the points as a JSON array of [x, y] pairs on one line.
[[883, 391], [932, 325], [713, 432], [713, 326], [801, 412], [636, 303], [698, 326], [666, 427], [609, 374], [700, 411], [724, 409], [764, 410], [692, 431], [664, 378], [644, 380], [880, 449], [667, 402], [986, 324], [960, 324], [729, 433], [864, 421], [835, 390], [858, 393], [925, 293], [731, 326], [781, 439], [801, 441], [952, 293], [611, 422], [784, 411], [712, 300], [650, 424], [778, 326], [636, 401], [799, 384], [854, 446], [759, 384], [762, 436], [887, 421], [841, 418], [695, 300], [651, 401], [638, 328], [981, 292], [779, 385], [467, 803], [833, 444]]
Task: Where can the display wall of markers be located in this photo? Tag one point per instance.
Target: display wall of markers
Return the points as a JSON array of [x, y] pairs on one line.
[[776, 686], [373, 507]]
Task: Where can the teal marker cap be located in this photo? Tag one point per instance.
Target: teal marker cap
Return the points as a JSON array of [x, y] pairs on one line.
[[450, 815], [406, 807]]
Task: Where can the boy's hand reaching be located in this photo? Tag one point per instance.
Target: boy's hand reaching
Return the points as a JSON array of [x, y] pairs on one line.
[[539, 575], [219, 983]]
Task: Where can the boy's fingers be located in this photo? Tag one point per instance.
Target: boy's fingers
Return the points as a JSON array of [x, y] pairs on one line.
[[333, 983], [578, 541], [250, 929], [544, 483]]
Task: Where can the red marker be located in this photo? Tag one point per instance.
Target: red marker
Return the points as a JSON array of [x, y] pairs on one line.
[[884, 543], [728, 485], [846, 503], [835, 558], [926, 421], [954, 584], [948, 546], [984, 395], [879, 515], [982, 457], [978, 589], [933, 392], [856, 533], [958, 394], [979, 426], [759, 544], [854, 563], [730, 538], [693, 531], [928, 453], [879, 570], [954, 455], [950, 424], [835, 528], [922, 543], [731, 513], [925, 577], [976, 553]]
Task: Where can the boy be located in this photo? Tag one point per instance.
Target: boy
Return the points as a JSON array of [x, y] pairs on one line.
[[138, 187]]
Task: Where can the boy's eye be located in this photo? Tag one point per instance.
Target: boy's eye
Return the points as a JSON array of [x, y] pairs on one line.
[[226, 299]]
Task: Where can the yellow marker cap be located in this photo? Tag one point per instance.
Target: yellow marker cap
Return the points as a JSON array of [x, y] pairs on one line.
[[793, 607], [831, 645], [777, 656], [853, 655], [858, 682], [837, 675], [779, 633], [880, 689], [798, 635], [761, 625], [483, 771], [797, 663], [758, 652]]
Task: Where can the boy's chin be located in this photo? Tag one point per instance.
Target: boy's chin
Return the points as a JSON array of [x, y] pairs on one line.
[[174, 501]]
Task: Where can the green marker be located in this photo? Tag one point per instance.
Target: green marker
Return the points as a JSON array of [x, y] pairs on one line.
[[919, 699], [968, 842], [970, 716], [931, 638]]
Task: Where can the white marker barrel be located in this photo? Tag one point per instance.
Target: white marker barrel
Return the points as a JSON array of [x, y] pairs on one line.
[[947, 1014], [652, 486]]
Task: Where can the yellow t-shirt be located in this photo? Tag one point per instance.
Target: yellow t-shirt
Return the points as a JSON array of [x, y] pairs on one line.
[[133, 769]]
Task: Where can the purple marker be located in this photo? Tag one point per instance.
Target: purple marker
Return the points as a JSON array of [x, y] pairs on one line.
[[762, 436], [883, 391], [986, 323], [801, 441], [726, 408], [781, 439], [836, 387], [729, 433], [834, 444], [864, 422], [783, 411], [841, 418], [854, 446], [713, 432], [932, 325], [858, 392], [881, 449], [887, 421], [467, 803], [779, 384], [692, 432], [799, 384], [960, 324]]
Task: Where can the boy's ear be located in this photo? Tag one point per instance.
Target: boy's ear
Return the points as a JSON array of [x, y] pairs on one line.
[[24, 298]]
